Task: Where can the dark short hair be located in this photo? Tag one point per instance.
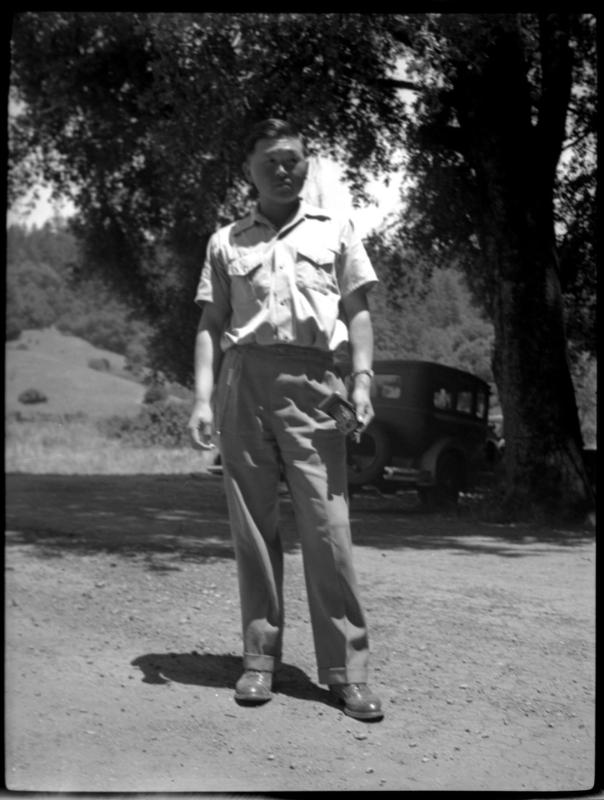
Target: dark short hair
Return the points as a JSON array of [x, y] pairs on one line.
[[270, 129]]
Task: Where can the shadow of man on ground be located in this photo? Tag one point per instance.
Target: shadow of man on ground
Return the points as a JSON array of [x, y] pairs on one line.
[[223, 671]]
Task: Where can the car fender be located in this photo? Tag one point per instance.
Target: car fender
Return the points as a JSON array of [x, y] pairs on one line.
[[430, 458]]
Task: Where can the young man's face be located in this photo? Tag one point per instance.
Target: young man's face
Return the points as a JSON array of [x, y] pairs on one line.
[[277, 168]]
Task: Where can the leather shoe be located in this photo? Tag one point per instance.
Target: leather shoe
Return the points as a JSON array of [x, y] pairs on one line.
[[358, 699], [254, 686]]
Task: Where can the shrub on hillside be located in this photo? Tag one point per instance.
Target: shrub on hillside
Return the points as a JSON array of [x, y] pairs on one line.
[[104, 328], [156, 393], [100, 364], [137, 356], [159, 424], [31, 396]]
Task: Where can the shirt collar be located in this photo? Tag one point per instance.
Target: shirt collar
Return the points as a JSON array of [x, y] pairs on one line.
[[255, 217]]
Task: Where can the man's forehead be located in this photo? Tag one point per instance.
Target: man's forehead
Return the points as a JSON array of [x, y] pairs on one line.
[[284, 144]]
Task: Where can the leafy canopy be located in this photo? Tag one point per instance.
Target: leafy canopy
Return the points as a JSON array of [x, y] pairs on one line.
[[142, 117]]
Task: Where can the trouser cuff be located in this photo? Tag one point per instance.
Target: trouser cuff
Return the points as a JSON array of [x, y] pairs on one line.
[[259, 661], [331, 675]]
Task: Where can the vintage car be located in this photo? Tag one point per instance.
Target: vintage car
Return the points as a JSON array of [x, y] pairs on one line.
[[430, 431]]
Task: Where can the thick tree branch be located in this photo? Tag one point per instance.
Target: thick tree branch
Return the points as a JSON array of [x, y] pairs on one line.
[[396, 83], [556, 67]]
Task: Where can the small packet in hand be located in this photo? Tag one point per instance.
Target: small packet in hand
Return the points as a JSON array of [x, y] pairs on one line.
[[342, 411]]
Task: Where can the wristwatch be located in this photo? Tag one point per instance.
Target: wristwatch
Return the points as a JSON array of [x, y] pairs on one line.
[[368, 372]]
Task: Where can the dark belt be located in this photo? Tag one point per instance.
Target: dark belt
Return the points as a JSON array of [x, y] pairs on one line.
[[287, 351]]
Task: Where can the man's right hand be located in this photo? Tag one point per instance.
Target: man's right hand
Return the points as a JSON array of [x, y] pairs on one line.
[[201, 425]]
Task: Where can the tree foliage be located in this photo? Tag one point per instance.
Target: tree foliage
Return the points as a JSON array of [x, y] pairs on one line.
[[47, 286], [504, 95], [438, 322], [553, 94], [143, 115]]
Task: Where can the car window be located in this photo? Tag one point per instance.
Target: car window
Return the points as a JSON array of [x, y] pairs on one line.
[[464, 401], [388, 387], [481, 404], [443, 398]]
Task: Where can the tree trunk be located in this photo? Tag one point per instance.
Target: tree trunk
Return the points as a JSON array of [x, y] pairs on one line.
[[514, 162], [543, 453]]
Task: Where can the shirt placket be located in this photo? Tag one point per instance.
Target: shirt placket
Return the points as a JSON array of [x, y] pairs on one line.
[[281, 312]]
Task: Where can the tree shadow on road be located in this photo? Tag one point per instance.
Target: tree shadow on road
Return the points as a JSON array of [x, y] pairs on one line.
[[223, 671], [170, 519]]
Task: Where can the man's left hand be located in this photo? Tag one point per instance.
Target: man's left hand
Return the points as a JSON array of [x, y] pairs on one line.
[[361, 400]]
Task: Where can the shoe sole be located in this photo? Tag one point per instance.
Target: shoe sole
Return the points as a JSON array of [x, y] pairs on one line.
[[251, 701], [364, 715]]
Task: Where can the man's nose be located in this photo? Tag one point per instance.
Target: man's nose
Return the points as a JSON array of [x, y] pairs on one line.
[[281, 170]]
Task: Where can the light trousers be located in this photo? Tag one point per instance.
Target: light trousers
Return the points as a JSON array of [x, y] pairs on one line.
[[269, 425]]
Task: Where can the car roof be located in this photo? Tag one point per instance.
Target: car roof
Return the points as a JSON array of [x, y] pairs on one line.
[[389, 364]]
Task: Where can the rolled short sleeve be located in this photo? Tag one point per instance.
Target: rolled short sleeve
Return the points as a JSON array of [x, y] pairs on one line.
[[354, 267], [213, 286]]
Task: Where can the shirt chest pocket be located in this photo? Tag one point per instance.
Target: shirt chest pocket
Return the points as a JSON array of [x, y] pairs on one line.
[[250, 278], [315, 269]]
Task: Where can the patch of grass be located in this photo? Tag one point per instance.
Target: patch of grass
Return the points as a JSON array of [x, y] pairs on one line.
[[76, 446]]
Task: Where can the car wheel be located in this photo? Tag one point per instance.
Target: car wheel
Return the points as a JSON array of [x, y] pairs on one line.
[[368, 457]]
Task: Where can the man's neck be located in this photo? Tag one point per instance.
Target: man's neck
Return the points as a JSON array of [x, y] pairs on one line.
[[278, 214]]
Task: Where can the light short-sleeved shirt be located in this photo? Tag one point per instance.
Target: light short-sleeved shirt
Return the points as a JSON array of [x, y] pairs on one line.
[[284, 286]]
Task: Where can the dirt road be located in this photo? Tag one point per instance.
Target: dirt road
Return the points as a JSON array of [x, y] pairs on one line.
[[122, 647]]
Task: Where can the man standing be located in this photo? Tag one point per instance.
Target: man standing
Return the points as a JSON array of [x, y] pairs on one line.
[[281, 291]]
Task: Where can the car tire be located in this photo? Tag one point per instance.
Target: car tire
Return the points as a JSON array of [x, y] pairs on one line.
[[368, 457]]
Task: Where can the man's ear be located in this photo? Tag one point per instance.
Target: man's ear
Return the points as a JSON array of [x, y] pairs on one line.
[[247, 171]]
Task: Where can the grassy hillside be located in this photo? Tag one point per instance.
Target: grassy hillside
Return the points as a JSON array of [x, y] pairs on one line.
[[58, 366], [61, 435]]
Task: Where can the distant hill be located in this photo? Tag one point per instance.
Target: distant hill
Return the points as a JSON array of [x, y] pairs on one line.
[[57, 365]]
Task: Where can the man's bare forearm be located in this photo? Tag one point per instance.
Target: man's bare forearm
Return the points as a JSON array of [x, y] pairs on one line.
[[360, 330], [360, 333], [208, 355], [360, 336]]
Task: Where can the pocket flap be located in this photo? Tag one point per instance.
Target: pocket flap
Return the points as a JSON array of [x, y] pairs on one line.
[[322, 258], [244, 265]]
